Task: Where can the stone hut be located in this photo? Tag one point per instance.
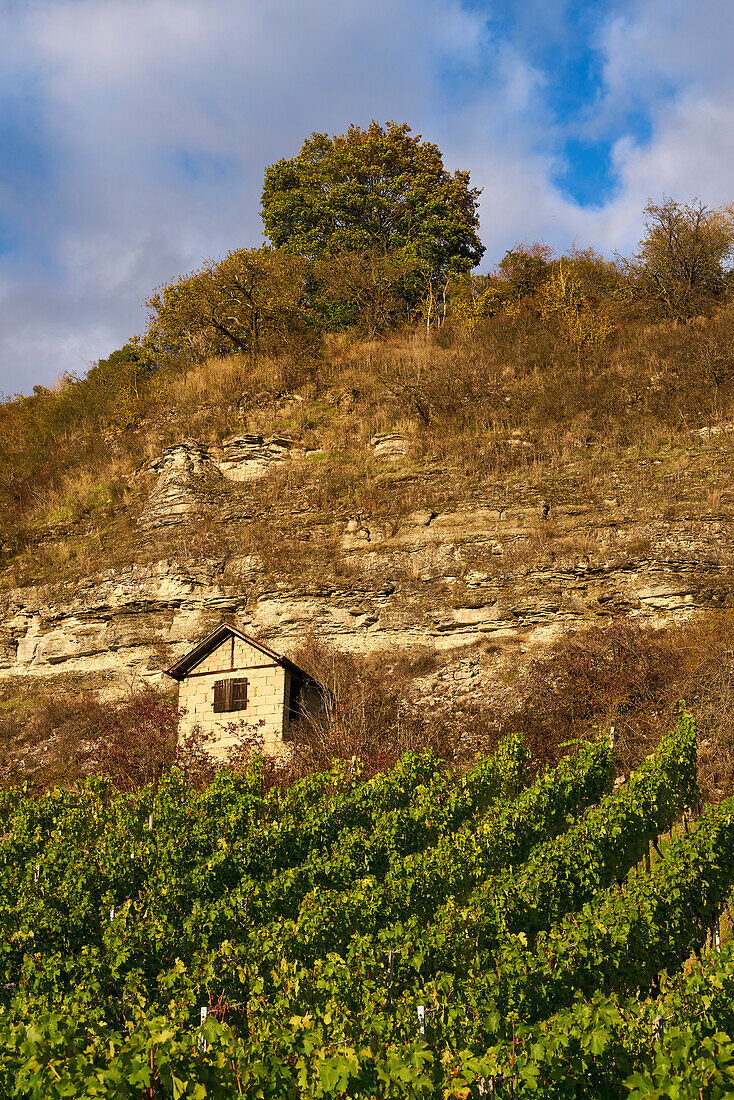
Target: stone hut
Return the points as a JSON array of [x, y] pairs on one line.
[[230, 677]]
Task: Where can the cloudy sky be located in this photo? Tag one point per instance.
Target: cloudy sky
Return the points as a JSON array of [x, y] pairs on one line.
[[134, 133]]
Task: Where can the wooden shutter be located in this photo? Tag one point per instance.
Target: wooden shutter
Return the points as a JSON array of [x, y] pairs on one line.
[[222, 696], [230, 695], [219, 696], [239, 694]]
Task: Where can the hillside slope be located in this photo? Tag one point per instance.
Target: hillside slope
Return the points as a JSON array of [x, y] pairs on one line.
[[488, 485]]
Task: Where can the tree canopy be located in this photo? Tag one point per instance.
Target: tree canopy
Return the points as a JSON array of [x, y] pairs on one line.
[[374, 190], [681, 263], [251, 301]]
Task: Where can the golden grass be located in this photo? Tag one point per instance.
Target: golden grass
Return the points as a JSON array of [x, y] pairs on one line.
[[504, 414]]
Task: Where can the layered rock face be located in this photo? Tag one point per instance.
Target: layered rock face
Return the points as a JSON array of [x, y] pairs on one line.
[[191, 479], [186, 486], [391, 446], [248, 457], [441, 580]]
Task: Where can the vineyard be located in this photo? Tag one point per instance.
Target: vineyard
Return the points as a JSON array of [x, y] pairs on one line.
[[421, 934]]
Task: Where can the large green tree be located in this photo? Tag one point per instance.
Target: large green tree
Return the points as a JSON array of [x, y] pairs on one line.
[[378, 190]]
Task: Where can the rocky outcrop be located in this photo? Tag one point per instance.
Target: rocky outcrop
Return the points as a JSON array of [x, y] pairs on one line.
[[191, 479], [415, 586], [186, 486], [391, 446], [247, 457]]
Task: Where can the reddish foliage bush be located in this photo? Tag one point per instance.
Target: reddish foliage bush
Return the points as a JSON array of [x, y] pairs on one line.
[[614, 675], [366, 715], [137, 739], [134, 740], [632, 677]]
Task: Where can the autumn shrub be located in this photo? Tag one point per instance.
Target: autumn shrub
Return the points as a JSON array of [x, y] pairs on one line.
[[632, 677], [137, 739], [62, 737], [366, 713], [613, 675], [707, 685]]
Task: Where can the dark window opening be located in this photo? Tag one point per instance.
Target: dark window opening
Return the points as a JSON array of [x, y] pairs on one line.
[[295, 711], [230, 695], [294, 701]]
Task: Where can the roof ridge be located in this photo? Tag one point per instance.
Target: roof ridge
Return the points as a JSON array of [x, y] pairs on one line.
[[195, 656]]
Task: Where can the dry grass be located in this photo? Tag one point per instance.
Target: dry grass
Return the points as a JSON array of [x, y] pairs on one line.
[[503, 414]]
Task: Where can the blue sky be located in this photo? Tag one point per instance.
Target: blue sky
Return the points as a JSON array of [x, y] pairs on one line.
[[134, 133]]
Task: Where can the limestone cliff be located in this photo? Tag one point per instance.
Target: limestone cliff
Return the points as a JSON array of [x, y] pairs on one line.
[[444, 579]]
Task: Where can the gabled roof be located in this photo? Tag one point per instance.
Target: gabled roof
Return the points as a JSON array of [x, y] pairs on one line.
[[191, 659]]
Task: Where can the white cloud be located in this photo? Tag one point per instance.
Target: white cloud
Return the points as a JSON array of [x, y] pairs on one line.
[[672, 61], [156, 119], [660, 43], [130, 92]]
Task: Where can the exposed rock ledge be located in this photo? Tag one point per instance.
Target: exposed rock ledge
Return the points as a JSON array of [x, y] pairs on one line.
[[191, 478], [139, 619]]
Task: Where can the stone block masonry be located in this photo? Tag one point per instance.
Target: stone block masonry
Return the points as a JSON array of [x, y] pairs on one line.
[[265, 714]]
